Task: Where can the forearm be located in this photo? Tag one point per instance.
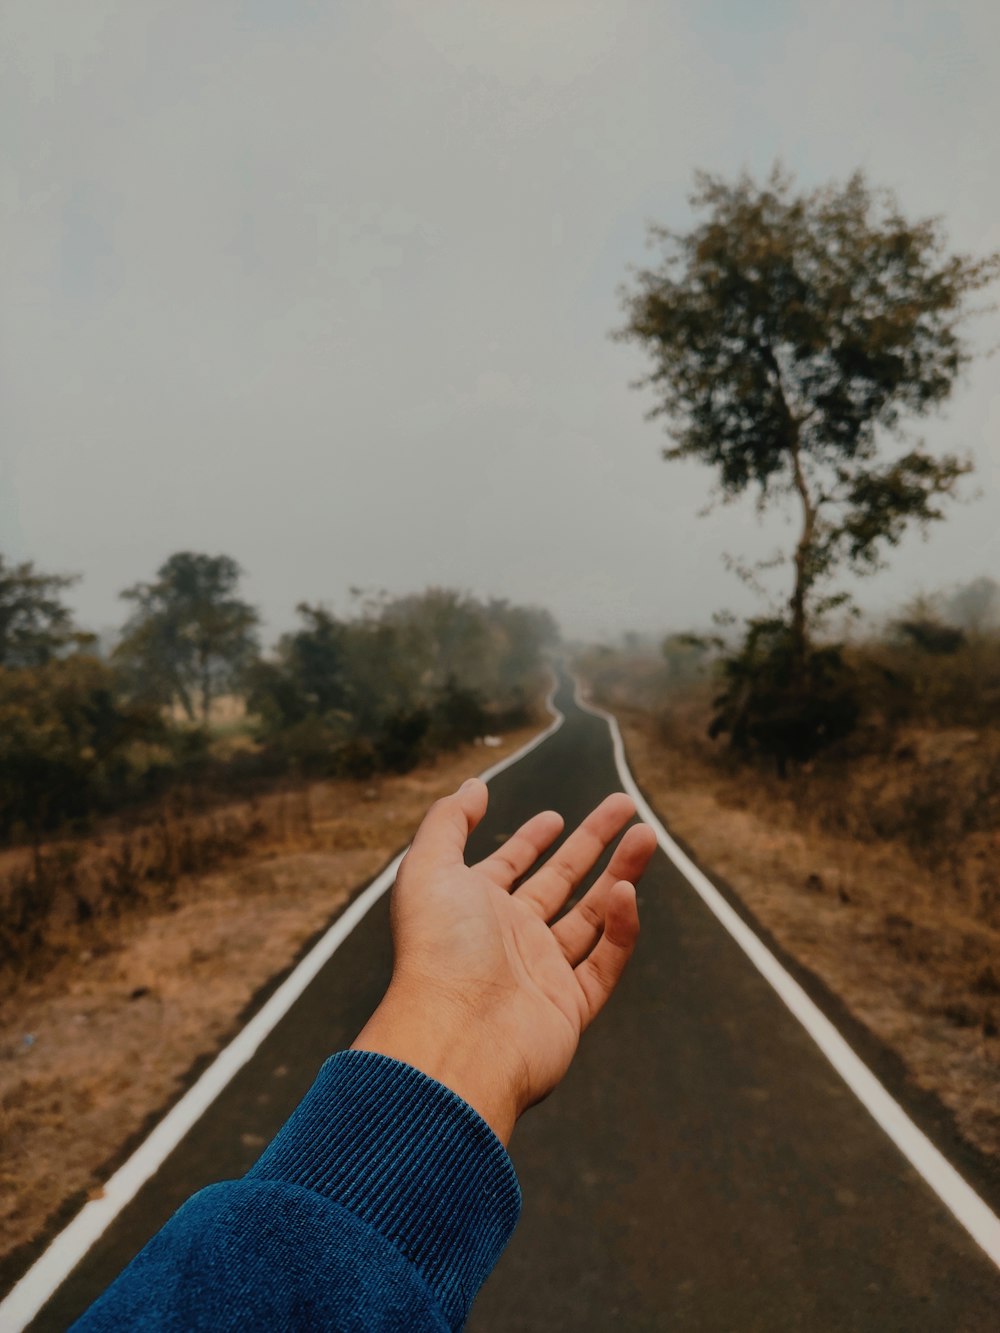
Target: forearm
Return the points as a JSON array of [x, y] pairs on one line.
[[383, 1202]]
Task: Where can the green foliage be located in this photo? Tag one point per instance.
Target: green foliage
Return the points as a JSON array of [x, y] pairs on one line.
[[382, 691], [405, 677], [399, 746], [791, 335], [775, 706], [458, 715], [35, 624], [308, 678], [931, 635], [929, 675], [190, 637], [880, 504], [792, 321], [65, 742]]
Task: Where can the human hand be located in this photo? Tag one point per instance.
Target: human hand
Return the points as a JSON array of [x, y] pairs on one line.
[[489, 992]]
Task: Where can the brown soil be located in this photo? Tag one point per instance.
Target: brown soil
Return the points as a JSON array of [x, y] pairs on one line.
[[101, 1039], [920, 968]]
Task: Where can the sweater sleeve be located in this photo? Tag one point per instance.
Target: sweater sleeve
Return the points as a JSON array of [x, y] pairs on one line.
[[383, 1203]]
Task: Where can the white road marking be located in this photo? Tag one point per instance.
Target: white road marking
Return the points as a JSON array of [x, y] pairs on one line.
[[55, 1264], [956, 1194]]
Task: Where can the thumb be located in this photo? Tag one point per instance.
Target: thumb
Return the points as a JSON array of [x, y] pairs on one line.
[[440, 840]]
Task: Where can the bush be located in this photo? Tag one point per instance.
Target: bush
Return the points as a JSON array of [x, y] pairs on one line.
[[457, 716], [906, 685], [786, 709], [402, 680], [399, 746], [931, 636], [65, 742]]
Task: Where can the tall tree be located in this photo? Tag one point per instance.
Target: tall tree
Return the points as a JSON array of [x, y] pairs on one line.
[[308, 677], [190, 637], [35, 623], [791, 334]]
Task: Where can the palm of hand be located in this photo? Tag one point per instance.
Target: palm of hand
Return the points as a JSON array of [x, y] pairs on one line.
[[529, 984], [494, 954]]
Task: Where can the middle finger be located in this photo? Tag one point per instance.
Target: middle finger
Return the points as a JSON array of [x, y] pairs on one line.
[[547, 890]]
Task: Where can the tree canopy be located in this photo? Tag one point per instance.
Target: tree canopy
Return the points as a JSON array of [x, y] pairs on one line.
[[792, 334], [35, 623], [402, 676], [190, 637]]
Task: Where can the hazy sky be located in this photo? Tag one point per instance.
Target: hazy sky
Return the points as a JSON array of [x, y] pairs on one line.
[[327, 286]]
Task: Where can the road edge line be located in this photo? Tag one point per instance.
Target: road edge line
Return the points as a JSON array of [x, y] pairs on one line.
[[65, 1251], [958, 1196]]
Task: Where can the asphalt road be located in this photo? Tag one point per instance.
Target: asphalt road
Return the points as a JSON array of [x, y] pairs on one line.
[[701, 1168]]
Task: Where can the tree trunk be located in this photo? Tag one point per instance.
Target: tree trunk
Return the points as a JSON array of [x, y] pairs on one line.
[[206, 686], [803, 568], [186, 702]]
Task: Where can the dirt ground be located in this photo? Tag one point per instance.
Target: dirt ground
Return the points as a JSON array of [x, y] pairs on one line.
[[92, 1047], [920, 973]]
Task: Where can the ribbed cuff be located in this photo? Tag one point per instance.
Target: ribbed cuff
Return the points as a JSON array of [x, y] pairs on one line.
[[413, 1160]]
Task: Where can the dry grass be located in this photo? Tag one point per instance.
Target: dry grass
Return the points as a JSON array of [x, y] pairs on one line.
[[70, 894], [71, 891], [104, 1034], [911, 946]]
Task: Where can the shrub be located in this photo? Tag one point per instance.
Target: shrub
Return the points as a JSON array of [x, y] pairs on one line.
[[457, 716], [65, 739], [781, 706]]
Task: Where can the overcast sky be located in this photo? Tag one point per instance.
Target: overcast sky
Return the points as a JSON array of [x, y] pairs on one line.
[[327, 286]]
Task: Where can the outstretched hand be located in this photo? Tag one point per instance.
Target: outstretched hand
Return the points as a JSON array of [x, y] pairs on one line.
[[490, 991]]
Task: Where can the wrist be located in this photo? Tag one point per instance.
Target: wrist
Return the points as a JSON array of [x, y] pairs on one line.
[[438, 1036]]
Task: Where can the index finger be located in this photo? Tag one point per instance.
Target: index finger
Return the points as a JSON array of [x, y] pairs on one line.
[[549, 887]]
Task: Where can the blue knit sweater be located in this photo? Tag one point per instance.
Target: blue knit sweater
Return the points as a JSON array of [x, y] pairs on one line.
[[383, 1203]]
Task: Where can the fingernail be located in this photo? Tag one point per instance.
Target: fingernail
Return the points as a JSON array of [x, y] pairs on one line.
[[468, 784]]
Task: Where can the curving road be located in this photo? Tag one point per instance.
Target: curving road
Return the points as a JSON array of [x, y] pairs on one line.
[[702, 1167]]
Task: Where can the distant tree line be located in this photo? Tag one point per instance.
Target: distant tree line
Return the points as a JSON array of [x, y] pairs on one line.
[[935, 663], [83, 733]]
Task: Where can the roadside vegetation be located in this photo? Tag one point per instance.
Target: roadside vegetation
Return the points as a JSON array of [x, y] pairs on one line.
[[920, 768], [125, 770]]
